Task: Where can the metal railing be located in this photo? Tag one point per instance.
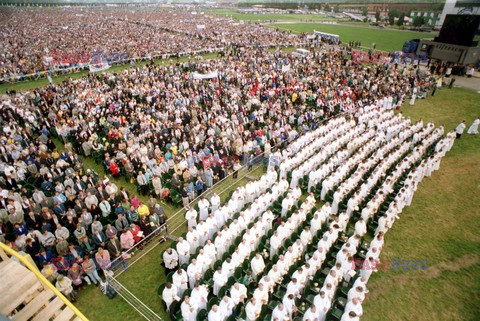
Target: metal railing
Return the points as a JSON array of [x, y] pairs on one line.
[[131, 299]]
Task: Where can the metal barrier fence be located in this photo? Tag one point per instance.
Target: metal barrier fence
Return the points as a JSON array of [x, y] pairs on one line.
[[131, 299]]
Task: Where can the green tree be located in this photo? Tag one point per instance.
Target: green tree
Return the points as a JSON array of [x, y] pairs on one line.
[[336, 9], [365, 11], [401, 20], [392, 14], [377, 16], [418, 21], [327, 8]]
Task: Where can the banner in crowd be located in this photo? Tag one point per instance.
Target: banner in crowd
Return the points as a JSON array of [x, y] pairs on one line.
[[205, 76], [99, 67], [285, 68], [200, 26]]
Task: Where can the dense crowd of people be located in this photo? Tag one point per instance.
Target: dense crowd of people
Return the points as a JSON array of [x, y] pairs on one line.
[[176, 129], [48, 39], [176, 136]]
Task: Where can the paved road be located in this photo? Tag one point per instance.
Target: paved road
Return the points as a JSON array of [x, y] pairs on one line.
[[470, 83]]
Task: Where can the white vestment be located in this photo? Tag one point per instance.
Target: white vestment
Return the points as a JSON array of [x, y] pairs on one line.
[[169, 295], [189, 311], [219, 280], [181, 282]]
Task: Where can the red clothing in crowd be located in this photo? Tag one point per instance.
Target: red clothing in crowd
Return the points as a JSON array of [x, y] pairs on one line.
[[114, 168]]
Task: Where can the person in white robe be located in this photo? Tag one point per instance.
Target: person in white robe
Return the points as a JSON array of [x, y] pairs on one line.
[[204, 260], [301, 276], [460, 128], [258, 265], [253, 309], [350, 316], [215, 201], [280, 313], [220, 244], [226, 307], [193, 272], [228, 267], [358, 292], [199, 296], [169, 294], [306, 236], [238, 293], [193, 238], [289, 304], [473, 129], [408, 195], [210, 250], [311, 314], [295, 177], [237, 258], [180, 280], [189, 309], [183, 250], [219, 280], [170, 259], [261, 294], [191, 217], [219, 215], [360, 227], [215, 314], [275, 243], [414, 96], [202, 229], [354, 306], [211, 223], [274, 274], [322, 302], [293, 287], [287, 204], [203, 205]]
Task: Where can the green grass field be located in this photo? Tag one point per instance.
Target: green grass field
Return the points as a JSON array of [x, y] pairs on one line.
[[265, 17], [386, 40], [440, 226]]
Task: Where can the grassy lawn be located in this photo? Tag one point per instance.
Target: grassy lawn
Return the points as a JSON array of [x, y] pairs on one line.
[[263, 17], [441, 226], [387, 40]]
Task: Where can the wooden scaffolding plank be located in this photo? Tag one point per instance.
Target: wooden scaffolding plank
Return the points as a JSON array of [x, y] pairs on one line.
[[52, 308], [39, 301], [65, 315], [18, 292]]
